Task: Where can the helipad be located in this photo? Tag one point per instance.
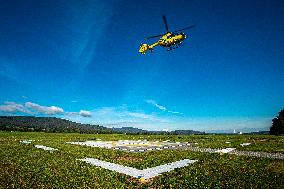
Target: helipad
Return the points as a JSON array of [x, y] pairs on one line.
[[133, 145]]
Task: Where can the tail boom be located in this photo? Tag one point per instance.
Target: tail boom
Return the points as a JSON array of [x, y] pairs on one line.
[[145, 47]]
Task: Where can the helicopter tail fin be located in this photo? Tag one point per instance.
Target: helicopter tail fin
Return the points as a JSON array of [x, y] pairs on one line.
[[144, 48]]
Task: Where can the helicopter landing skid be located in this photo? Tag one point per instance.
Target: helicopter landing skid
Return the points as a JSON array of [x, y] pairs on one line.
[[175, 46]]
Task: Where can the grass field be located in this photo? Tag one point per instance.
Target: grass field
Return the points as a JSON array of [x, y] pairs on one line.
[[24, 166]]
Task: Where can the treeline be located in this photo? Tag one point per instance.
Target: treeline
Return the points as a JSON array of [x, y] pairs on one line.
[[47, 124]]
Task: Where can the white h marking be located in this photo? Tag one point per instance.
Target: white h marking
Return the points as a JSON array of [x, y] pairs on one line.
[[145, 173]]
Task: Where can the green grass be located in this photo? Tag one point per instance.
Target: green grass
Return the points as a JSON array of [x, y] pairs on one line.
[[24, 166]]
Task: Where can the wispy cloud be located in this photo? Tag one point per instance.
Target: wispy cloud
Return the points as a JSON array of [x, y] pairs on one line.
[[123, 114], [49, 110], [8, 71], [175, 112], [12, 107], [119, 116], [141, 115], [154, 103], [33, 108], [85, 113], [96, 17], [11, 71], [163, 108]]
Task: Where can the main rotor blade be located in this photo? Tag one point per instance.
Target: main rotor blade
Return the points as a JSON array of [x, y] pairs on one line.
[[166, 23], [154, 36], [189, 27]]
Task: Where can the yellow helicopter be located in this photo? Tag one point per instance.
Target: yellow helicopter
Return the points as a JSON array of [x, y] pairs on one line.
[[170, 40]]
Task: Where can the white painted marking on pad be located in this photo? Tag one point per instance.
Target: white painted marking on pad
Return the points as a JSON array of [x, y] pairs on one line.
[[137, 144], [27, 141], [245, 144], [226, 150], [45, 148], [145, 173]]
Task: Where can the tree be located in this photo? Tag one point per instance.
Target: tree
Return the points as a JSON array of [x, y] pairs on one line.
[[277, 127]]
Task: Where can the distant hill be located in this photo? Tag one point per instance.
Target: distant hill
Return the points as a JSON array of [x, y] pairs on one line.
[[47, 124], [187, 132], [132, 130], [53, 124]]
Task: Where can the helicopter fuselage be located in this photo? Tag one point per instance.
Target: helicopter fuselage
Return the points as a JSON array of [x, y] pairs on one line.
[[170, 39]]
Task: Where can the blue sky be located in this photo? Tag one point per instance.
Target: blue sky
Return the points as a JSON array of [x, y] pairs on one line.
[[79, 60]]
